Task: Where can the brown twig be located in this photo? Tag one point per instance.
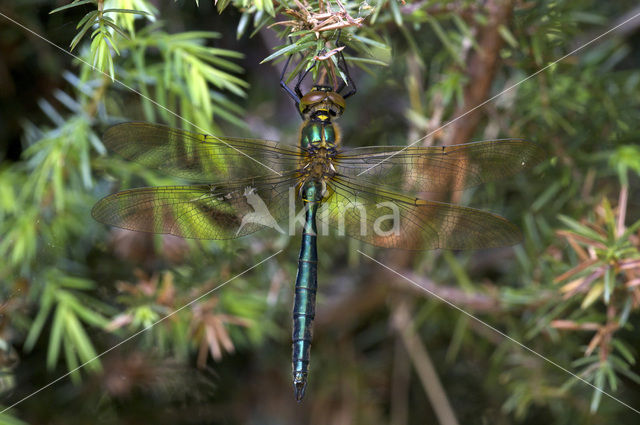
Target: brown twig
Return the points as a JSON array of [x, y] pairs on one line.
[[481, 70], [476, 301], [401, 376], [463, 10], [622, 209], [424, 367], [324, 20]]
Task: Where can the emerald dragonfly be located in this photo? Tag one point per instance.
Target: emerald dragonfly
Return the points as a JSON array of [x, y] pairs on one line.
[[354, 190]]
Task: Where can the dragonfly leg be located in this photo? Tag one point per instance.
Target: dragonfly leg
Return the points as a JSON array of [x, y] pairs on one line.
[[294, 95], [342, 64], [301, 78]]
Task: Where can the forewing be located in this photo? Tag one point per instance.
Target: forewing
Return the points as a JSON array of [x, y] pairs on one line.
[[199, 211], [390, 220], [199, 157], [439, 169]]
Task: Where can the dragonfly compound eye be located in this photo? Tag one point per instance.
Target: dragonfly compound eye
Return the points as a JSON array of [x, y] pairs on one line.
[[336, 100], [311, 99], [322, 100]]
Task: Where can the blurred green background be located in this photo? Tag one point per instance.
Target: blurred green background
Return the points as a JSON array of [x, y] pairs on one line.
[[384, 351]]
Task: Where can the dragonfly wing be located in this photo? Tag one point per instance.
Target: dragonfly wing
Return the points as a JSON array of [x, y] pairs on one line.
[[390, 220], [199, 157], [199, 211], [439, 168]]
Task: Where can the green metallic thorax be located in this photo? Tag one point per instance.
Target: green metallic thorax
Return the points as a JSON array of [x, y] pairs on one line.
[[319, 141], [318, 134]]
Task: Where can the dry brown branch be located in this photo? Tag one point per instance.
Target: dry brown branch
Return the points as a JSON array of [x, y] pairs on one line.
[[579, 238], [481, 70], [381, 284], [577, 269], [324, 20], [400, 380], [424, 366], [459, 8], [475, 301]]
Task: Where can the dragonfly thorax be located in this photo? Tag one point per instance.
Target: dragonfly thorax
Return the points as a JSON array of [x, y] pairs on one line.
[[316, 135], [319, 142], [317, 170], [318, 164]]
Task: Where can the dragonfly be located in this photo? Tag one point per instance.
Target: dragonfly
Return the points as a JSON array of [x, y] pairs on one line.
[[240, 186]]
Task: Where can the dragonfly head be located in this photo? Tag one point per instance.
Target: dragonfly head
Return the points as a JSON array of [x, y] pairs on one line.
[[322, 103]]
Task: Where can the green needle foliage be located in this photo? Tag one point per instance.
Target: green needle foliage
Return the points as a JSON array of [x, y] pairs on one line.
[[102, 43], [70, 288], [62, 299], [53, 185]]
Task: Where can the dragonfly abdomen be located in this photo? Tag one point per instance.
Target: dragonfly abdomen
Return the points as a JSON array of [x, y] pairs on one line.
[[305, 291]]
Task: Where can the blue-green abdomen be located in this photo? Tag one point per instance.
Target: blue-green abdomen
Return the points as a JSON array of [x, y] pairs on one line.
[[305, 290]]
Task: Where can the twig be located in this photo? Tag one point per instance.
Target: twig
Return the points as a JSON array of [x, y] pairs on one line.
[[401, 372], [424, 367], [463, 10], [323, 20], [622, 209], [481, 70], [474, 300]]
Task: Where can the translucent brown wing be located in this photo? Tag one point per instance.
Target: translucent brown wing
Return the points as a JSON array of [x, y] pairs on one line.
[[439, 169], [204, 211], [390, 220], [199, 157]]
